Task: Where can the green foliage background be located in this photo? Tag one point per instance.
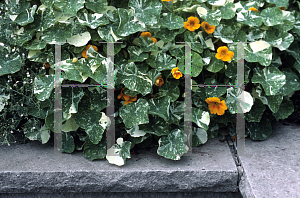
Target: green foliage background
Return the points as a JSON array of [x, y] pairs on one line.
[[30, 29]]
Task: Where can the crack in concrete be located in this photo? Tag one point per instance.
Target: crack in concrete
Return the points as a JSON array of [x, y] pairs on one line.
[[236, 158]]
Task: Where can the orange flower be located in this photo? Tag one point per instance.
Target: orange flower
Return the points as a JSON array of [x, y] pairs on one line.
[[167, 0], [192, 24], [282, 8], [129, 99], [216, 106], [209, 29], [176, 74], [146, 34], [154, 40], [86, 49], [224, 54], [253, 9], [159, 81], [121, 94]]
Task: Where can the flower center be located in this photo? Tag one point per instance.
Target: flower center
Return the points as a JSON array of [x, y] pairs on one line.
[[223, 53]]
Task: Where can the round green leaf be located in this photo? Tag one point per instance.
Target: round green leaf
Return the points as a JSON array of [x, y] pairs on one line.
[[292, 82], [92, 20], [201, 118], [259, 51], [171, 21], [68, 144], [43, 85], [288, 21], [173, 146], [274, 102], [271, 78], [170, 88], [161, 62], [93, 122], [135, 113], [10, 64], [136, 54], [279, 39], [69, 8], [272, 16], [199, 136], [156, 126], [147, 11], [128, 24], [285, 110], [117, 155], [213, 91], [251, 18], [26, 16], [256, 112], [197, 64], [279, 3], [160, 107], [98, 6], [215, 64], [227, 11], [259, 130], [133, 79]]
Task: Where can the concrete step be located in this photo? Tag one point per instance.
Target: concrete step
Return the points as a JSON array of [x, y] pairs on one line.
[[33, 170], [272, 167]]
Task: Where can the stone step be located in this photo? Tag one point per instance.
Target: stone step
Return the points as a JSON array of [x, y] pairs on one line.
[[33, 168], [272, 167]]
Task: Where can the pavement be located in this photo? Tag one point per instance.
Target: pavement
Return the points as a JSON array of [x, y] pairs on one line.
[[266, 169], [272, 167]]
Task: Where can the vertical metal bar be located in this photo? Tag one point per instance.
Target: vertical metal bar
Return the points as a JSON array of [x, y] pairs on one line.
[[188, 98], [110, 110], [240, 124], [57, 102]]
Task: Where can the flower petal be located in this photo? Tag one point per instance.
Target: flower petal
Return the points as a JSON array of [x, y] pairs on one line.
[[219, 55], [212, 108], [222, 49], [196, 26], [212, 100]]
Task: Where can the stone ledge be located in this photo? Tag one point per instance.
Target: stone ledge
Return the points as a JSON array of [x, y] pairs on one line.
[[34, 168], [127, 195]]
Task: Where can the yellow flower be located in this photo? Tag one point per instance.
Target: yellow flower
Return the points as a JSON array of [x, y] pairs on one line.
[[154, 40], [224, 54], [146, 34], [167, 0], [176, 74], [209, 29], [192, 24], [216, 106], [159, 81], [86, 49], [253, 9]]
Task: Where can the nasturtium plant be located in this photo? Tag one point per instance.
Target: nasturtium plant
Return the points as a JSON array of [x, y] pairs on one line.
[[145, 43]]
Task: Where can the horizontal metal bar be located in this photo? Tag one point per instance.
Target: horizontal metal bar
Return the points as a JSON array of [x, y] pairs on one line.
[[214, 85], [109, 42], [80, 85]]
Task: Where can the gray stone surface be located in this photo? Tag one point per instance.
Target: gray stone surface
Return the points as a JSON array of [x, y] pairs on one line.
[[34, 168], [272, 167], [128, 195]]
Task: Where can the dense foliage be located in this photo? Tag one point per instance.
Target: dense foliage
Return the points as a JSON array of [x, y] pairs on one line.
[[149, 70]]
